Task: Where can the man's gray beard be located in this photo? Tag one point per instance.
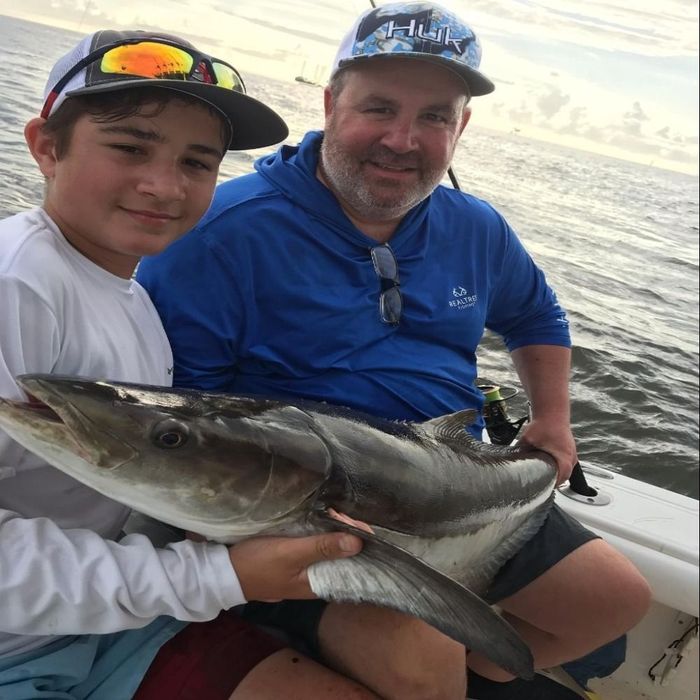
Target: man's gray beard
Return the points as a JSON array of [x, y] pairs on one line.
[[345, 178]]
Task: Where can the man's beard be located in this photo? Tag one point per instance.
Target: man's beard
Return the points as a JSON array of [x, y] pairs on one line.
[[343, 173]]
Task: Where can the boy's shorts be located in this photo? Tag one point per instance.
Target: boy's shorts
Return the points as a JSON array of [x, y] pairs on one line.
[[559, 535], [166, 659]]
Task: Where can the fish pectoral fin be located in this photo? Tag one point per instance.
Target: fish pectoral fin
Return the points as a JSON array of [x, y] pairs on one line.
[[386, 575]]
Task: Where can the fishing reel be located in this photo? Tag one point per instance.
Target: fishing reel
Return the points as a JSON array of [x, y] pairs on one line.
[[499, 426], [503, 431]]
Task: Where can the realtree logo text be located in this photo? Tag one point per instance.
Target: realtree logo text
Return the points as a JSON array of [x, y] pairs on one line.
[[462, 299], [417, 29]]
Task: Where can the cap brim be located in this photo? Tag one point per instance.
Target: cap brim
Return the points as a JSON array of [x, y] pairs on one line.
[[254, 124], [477, 82]]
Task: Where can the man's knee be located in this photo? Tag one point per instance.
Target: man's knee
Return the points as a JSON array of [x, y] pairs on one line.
[[595, 590], [631, 596], [439, 676], [395, 655], [621, 594]]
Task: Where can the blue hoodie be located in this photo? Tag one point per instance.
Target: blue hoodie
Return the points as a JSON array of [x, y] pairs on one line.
[[275, 293]]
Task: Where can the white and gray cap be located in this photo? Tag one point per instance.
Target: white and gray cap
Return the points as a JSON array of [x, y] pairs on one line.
[[110, 60]]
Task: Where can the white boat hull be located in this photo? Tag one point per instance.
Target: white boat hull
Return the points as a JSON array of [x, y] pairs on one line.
[[658, 531]]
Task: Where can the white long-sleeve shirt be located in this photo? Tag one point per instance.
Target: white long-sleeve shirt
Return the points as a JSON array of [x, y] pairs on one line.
[[61, 572]]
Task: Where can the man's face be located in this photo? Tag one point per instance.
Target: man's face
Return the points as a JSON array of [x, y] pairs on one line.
[[390, 135], [128, 188]]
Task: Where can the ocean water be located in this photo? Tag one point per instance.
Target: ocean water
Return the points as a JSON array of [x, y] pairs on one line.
[[618, 241]]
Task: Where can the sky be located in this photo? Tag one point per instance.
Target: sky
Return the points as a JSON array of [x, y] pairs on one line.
[[617, 77]]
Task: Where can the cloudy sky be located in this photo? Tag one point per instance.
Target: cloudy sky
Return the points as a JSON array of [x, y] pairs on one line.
[[618, 77]]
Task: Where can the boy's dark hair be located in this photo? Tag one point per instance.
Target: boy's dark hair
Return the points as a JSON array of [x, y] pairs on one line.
[[112, 106]]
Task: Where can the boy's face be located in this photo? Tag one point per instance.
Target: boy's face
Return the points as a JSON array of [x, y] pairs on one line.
[[130, 187]]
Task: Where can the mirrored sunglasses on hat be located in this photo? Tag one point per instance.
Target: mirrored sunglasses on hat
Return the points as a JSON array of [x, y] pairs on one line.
[[149, 58]]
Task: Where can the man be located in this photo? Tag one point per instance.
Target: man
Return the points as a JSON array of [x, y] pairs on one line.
[[343, 271]]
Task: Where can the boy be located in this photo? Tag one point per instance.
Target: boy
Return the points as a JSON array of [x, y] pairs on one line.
[[130, 138]]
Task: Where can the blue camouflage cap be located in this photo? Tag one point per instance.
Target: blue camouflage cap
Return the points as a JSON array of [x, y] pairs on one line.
[[421, 30]]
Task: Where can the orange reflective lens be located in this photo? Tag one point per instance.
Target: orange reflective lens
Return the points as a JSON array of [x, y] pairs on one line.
[[148, 60]]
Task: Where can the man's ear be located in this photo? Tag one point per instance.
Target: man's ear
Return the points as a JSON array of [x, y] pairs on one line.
[[466, 116], [42, 146], [327, 102]]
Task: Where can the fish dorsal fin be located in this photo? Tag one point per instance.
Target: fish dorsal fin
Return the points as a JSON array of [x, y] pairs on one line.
[[452, 427]]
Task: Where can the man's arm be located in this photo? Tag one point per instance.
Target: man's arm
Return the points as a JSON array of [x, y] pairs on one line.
[[544, 373]]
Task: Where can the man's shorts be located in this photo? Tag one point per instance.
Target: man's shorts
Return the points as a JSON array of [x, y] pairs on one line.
[[559, 535], [165, 659]]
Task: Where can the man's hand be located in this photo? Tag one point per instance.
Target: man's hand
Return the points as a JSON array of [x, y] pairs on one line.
[[555, 439], [274, 568]]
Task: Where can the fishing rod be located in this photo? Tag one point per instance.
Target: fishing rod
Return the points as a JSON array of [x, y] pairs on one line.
[[577, 480]]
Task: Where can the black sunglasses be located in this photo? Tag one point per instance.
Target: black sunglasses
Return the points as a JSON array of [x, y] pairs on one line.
[[390, 300]]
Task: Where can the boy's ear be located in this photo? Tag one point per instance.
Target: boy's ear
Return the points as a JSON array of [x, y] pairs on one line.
[[42, 146]]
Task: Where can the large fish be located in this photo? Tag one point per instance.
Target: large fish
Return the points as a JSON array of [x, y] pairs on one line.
[[446, 510]]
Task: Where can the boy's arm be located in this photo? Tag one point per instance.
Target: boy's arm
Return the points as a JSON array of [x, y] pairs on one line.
[[56, 581], [72, 581]]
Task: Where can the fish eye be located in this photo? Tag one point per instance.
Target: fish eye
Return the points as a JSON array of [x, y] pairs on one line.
[[170, 434]]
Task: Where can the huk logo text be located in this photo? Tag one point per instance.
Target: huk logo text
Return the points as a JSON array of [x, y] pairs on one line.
[[441, 36]]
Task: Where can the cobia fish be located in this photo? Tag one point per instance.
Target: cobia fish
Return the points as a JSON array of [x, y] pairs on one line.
[[446, 510]]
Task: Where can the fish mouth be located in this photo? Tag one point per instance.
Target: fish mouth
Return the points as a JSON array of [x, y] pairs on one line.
[[33, 406], [51, 415]]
